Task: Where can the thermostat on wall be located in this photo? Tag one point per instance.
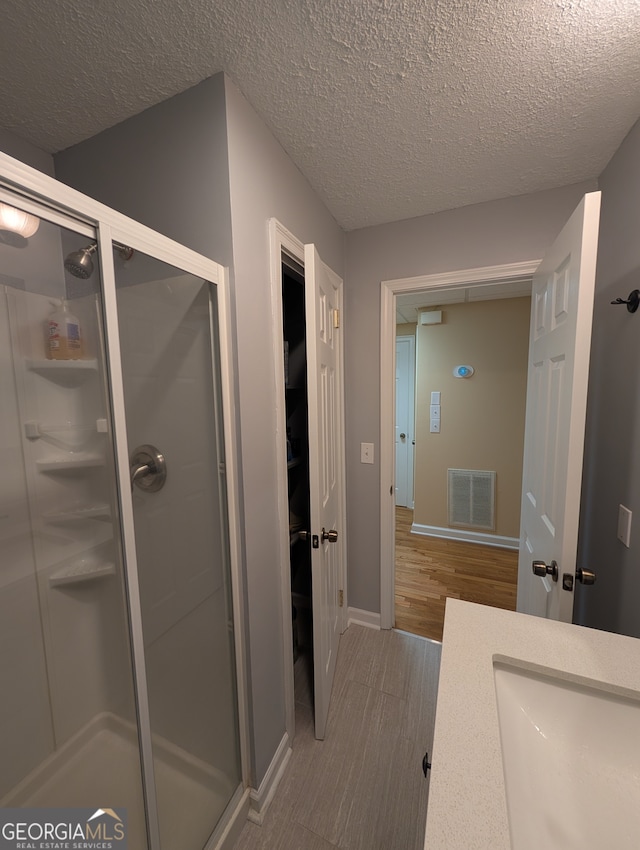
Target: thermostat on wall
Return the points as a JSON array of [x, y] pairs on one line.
[[463, 371]]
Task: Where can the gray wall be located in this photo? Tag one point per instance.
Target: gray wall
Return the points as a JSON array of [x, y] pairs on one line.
[[612, 466], [166, 168], [503, 231], [193, 167], [26, 152], [264, 183]]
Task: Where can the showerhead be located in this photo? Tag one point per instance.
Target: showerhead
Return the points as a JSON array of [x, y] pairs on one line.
[[79, 263]]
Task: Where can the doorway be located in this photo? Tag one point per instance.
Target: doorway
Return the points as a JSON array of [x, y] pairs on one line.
[[427, 292], [461, 539], [307, 300], [297, 442]]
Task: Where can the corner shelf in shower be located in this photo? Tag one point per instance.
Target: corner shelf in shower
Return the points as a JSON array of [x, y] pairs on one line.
[[80, 571], [66, 372], [70, 464], [96, 511]]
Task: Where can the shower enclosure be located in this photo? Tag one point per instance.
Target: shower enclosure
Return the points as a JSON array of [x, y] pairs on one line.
[[119, 619]]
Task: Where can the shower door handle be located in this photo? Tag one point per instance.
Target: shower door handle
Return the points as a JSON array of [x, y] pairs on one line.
[[139, 472], [148, 469]]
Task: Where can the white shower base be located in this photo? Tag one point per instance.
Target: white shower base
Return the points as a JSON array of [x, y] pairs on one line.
[[99, 767]]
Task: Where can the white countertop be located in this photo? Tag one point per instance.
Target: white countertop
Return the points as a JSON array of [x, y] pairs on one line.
[[467, 805]]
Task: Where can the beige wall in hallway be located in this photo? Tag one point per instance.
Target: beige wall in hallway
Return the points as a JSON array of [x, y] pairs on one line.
[[482, 422]]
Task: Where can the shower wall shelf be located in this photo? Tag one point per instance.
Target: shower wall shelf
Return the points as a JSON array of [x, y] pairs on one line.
[[69, 464], [67, 372], [77, 572], [97, 511]]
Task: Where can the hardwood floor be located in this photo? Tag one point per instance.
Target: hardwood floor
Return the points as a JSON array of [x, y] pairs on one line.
[[429, 569]]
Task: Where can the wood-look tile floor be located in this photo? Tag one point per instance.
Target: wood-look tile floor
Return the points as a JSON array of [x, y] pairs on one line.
[[362, 788], [429, 569]]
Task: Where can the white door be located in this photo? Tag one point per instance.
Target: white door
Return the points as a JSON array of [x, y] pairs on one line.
[[323, 301], [405, 371], [560, 340]]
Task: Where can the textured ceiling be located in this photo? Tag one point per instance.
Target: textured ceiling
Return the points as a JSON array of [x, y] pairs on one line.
[[391, 108]]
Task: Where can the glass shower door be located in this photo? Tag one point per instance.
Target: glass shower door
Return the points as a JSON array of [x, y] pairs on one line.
[[68, 727], [169, 350]]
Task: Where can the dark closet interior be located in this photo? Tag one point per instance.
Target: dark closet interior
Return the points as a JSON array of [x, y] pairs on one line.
[[295, 382]]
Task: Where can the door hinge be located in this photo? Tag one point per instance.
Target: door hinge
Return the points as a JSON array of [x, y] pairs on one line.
[[341, 598], [336, 318]]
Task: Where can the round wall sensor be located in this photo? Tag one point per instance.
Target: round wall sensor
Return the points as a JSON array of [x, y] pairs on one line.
[[463, 371]]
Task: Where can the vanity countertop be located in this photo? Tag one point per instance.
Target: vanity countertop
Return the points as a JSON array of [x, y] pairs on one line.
[[467, 804]]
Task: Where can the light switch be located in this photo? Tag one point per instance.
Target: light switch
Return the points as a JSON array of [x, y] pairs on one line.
[[366, 452], [434, 426], [435, 398], [624, 525], [434, 411]]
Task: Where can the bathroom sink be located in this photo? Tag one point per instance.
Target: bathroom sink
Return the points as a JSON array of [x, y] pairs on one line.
[[571, 759]]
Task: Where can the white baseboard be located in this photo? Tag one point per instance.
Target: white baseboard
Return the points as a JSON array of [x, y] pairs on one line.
[[262, 797], [466, 536], [231, 824], [359, 617]]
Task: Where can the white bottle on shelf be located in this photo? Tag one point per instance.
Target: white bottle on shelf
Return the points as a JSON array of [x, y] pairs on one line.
[[63, 334]]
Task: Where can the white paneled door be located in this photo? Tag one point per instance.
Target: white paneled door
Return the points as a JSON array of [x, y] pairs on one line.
[[560, 340], [323, 302], [405, 419]]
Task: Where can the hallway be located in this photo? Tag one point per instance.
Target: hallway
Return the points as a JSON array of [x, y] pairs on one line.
[[429, 569]]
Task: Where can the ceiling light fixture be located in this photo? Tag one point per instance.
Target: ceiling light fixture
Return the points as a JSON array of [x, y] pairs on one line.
[[18, 221]]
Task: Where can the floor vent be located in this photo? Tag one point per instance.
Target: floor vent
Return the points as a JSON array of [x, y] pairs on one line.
[[472, 498]]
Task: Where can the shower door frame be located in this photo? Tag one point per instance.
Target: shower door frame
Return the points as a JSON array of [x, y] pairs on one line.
[[49, 199]]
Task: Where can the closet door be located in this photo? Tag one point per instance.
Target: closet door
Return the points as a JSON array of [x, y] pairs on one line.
[[323, 302]]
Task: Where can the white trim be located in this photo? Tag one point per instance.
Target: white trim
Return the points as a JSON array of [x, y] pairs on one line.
[[113, 356], [261, 798], [484, 275], [231, 823], [465, 536], [360, 617], [389, 289], [281, 240], [232, 477], [47, 213]]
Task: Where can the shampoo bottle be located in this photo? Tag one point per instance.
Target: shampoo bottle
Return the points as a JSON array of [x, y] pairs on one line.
[[64, 338]]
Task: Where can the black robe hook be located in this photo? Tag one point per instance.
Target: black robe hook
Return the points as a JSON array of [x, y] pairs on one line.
[[632, 301]]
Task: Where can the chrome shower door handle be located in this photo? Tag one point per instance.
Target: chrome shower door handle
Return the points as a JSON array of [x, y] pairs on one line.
[[139, 472], [148, 469]]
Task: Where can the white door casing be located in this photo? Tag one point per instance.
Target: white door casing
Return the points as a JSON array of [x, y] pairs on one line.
[[405, 419], [560, 341], [323, 304], [389, 290]]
